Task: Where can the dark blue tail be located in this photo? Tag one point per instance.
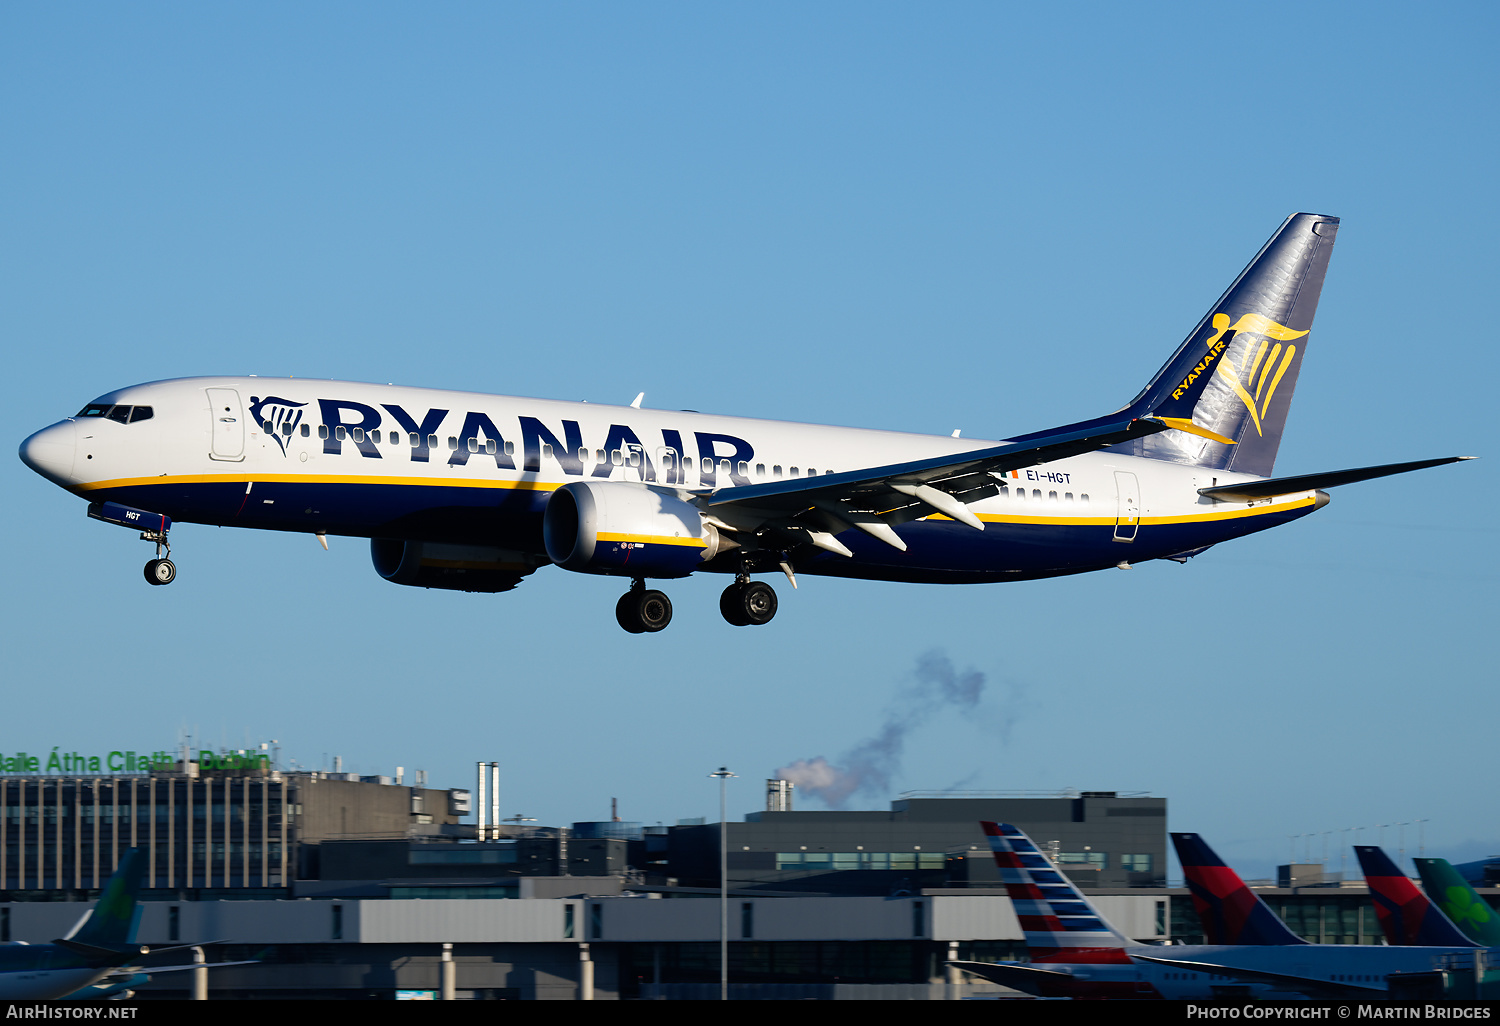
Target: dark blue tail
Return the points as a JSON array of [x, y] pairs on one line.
[[1231, 912], [1406, 915], [1236, 372]]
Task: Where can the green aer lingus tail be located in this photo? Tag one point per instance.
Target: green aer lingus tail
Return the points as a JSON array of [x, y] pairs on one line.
[[1469, 912]]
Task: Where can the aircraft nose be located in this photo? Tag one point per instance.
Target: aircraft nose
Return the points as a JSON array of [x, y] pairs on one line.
[[51, 451]]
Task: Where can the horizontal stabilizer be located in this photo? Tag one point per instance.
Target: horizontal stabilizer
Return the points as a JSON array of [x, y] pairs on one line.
[[1017, 975], [1326, 990], [1249, 491]]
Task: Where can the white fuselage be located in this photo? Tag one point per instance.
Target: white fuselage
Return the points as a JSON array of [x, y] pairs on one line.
[[386, 461]]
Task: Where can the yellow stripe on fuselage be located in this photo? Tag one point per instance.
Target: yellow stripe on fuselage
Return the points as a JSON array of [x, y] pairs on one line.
[[549, 486], [135, 482], [1187, 518]]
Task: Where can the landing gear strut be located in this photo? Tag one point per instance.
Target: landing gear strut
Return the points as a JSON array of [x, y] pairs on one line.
[[747, 603], [160, 570], [643, 612]]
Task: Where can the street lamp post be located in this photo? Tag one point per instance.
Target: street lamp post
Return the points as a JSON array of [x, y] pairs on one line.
[[723, 776]]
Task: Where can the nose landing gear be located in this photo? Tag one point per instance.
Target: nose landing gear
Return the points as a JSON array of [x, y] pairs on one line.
[[643, 612], [747, 603], [160, 570]]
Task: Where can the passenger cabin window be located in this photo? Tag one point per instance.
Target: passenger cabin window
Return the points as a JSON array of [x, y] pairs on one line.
[[340, 433], [760, 470], [792, 472], [322, 430], [491, 446], [306, 430]]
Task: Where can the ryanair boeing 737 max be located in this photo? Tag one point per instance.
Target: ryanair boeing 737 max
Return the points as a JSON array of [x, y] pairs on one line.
[[473, 492]]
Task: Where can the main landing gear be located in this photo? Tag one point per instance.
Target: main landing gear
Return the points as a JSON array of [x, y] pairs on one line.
[[745, 603], [643, 612]]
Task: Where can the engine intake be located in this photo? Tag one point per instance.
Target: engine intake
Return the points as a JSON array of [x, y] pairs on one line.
[[627, 530]]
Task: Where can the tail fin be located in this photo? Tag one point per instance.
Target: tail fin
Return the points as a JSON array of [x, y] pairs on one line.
[[1231, 912], [1405, 914], [1455, 896], [110, 927], [1235, 374], [1059, 922]]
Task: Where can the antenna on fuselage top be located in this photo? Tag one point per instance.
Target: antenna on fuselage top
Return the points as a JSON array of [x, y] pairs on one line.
[[636, 405]]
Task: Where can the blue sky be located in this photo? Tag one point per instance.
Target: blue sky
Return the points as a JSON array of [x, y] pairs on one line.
[[924, 217]]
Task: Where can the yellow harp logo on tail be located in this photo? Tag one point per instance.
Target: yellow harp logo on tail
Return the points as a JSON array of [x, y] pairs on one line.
[[1265, 381]]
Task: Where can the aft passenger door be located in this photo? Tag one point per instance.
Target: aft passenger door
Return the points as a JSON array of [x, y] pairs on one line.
[[1128, 511], [228, 437]]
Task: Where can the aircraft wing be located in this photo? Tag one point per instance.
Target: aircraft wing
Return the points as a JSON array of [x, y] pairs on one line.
[[1313, 988], [1249, 491], [877, 499]]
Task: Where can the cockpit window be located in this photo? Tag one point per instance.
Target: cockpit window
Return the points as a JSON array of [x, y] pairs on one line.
[[123, 414]]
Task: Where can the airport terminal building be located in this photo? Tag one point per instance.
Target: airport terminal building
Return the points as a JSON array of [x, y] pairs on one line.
[[360, 888]]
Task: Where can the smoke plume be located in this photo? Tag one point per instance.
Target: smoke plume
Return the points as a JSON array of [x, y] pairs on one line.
[[868, 767]]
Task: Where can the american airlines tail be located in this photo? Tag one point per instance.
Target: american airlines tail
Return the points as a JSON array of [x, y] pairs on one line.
[[1405, 913], [1059, 922], [1231, 913]]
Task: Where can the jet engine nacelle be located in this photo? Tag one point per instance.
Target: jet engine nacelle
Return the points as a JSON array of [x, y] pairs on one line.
[[628, 530], [452, 567]]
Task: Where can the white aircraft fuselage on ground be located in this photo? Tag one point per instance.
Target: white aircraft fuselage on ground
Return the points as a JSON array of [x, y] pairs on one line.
[[472, 492]]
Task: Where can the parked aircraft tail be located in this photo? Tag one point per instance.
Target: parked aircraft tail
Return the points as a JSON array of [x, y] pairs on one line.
[[1060, 924], [1463, 905], [1231, 913], [1406, 915], [109, 928]]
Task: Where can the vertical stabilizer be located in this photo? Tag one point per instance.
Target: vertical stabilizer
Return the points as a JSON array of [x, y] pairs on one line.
[[1235, 374], [1059, 922], [111, 926], [1458, 899], [1231, 912], [1405, 914]]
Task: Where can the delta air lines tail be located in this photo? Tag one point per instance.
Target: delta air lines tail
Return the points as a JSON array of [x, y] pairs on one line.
[[474, 492], [1405, 913]]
